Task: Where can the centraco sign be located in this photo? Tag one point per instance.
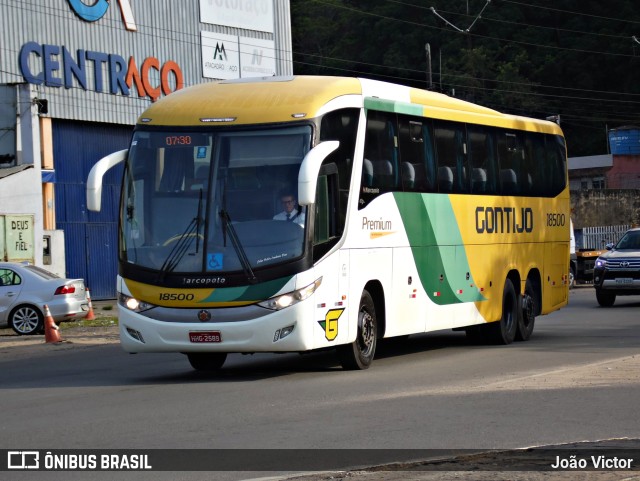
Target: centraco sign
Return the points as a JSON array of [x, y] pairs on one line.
[[55, 66]]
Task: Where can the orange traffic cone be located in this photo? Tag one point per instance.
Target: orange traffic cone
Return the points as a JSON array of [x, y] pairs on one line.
[[51, 331], [91, 316]]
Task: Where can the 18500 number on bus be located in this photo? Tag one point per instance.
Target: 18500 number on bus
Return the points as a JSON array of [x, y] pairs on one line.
[[172, 296], [555, 219]]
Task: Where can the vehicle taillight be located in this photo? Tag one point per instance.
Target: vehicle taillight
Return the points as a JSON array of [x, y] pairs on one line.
[[65, 290]]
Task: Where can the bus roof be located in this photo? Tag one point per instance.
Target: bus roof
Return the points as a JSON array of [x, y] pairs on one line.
[[287, 99]]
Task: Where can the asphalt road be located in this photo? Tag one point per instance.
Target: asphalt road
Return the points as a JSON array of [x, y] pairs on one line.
[[577, 379]]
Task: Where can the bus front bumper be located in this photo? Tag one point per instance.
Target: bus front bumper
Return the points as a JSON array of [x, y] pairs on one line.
[[284, 331]]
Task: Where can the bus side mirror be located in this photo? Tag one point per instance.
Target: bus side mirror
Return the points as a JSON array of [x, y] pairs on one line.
[[94, 182], [309, 169]]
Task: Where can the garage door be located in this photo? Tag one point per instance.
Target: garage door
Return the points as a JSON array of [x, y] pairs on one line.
[[90, 237]]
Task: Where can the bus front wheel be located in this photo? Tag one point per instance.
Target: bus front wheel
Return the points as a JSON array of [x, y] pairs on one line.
[[207, 361], [359, 354]]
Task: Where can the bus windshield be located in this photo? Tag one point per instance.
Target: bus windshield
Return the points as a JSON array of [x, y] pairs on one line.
[[212, 202]]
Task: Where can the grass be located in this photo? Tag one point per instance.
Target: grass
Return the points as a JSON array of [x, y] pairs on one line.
[[98, 322]]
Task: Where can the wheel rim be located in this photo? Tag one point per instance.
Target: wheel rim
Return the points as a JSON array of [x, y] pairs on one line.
[[367, 336], [26, 320]]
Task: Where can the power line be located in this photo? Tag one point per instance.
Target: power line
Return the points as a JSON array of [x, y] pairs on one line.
[[511, 41], [466, 30], [570, 12]]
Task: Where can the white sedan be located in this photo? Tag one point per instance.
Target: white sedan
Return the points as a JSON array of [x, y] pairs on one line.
[[24, 291]]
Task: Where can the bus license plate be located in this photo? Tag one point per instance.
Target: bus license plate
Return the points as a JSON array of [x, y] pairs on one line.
[[624, 280], [207, 336]]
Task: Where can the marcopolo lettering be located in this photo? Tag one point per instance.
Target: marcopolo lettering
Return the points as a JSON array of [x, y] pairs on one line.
[[504, 220], [55, 66]]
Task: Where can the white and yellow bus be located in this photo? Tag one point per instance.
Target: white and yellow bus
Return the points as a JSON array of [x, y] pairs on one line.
[[414, 212]]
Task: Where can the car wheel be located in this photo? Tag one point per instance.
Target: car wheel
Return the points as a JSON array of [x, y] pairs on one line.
[[527, 313], [26, 320], [359, 354], [207, 361], [605, 298]]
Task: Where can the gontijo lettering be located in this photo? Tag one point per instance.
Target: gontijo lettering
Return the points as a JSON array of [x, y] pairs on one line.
[[55, 66], [504, 220]]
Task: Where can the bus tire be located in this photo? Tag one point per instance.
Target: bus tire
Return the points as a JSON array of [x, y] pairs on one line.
[[504, 330], [207, 361], [359, 354], [605, 298], [526, 313]]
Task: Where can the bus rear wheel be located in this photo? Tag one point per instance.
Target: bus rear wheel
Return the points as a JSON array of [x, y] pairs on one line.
[[359, 354], [504, 330], [207, 361], [527, 313]]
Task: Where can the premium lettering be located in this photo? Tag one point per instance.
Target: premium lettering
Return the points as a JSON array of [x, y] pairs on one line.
[[381, 224]]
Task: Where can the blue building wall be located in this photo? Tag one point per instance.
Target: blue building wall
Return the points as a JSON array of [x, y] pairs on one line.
[[91, 238]]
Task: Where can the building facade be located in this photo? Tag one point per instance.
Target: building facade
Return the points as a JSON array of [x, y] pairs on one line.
[[618, 170], [74, 77]]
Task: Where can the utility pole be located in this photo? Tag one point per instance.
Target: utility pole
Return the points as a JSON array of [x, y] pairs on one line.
[[427, 48]]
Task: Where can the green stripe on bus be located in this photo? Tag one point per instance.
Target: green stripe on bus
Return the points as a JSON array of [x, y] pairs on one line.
[[437, 248], [393, 106], [257, 292]]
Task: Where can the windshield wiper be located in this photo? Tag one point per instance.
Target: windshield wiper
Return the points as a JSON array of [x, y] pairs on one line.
[[237, 245], [184, 242]]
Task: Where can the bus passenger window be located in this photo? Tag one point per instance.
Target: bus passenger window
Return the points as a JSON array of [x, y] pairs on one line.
[[341, 125], [482, 160], [445, 178], [451, 151], [511, 159], [478, 180], [380, 172], [417, 159]]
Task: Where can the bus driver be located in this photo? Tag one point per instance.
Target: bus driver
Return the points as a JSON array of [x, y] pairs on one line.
[[291, 212]]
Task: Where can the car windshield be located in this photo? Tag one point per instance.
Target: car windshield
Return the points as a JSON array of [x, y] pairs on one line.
[[214, 202], [631, 240]]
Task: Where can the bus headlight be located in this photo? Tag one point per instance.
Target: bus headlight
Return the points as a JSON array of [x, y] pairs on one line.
[[134, 304], [291, 298]]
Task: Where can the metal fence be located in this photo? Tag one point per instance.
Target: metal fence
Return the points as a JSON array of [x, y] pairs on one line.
[[597, 237]]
